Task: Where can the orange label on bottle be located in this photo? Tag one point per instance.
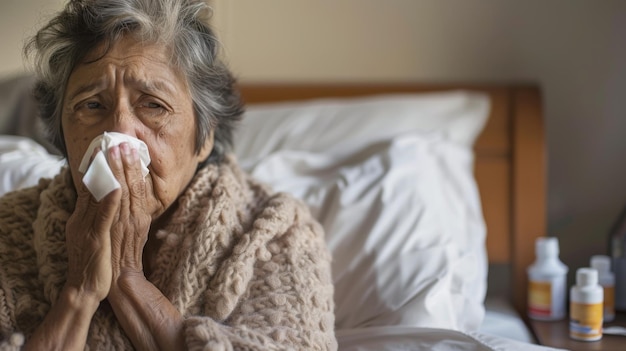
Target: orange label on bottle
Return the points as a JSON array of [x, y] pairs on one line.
[[585, 321], [540, 298]]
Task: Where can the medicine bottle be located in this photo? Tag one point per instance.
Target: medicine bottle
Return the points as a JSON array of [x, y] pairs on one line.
[[586, 298], [606, 279], [547, 278]]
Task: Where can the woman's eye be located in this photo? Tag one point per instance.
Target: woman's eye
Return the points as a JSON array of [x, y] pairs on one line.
[[91, 105], [152, 110], [153, 105]]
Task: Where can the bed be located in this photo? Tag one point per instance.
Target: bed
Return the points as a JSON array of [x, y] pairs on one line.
[[431, 196]]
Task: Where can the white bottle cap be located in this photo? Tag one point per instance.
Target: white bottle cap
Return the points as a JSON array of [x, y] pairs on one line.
[[547, 247], [601, 263], [586, 277]]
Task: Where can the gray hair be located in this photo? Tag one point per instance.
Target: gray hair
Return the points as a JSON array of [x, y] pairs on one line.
[[180, 25]]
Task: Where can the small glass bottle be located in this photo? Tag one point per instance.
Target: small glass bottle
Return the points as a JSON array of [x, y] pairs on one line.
[[606, 279], [585, 323], [617, 249], [547, 278]]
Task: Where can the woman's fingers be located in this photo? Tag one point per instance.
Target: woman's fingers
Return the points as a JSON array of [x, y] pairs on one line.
[[100, 215], [126, 166], [129, 234], [135, 180]]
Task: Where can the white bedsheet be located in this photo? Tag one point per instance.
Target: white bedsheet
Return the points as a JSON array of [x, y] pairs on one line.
[[23, 162], [501, 319], [427, 339], [502, 329]]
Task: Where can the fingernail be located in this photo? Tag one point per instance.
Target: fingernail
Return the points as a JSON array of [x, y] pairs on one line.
[[125, 148]]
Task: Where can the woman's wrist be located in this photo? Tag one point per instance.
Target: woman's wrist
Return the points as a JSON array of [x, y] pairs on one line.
[[66, 325], [126, 279], [147, 317], [125, 284], [75, 299]]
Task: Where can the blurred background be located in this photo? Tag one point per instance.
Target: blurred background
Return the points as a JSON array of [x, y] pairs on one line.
[[574, 49]]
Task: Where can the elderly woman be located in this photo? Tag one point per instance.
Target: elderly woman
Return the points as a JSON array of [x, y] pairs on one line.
[[195, 255]]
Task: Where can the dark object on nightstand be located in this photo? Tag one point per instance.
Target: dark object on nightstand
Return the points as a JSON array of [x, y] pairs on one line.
[[617, 251]]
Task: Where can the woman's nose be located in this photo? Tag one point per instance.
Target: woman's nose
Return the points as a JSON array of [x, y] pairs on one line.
[[123, 121]]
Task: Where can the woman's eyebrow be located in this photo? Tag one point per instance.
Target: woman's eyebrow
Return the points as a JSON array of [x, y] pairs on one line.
[[153, 85], [84, 88]]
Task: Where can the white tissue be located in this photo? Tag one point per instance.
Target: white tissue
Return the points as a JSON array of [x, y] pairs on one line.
[[98, 177]]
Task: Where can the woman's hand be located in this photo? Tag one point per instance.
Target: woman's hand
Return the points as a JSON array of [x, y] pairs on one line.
[[88, 241], [129, 232], [89, 274], [147, 317]]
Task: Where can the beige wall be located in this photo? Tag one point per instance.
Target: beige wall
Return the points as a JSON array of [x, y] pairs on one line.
[[573, 48], [366, 40], [18, 20]]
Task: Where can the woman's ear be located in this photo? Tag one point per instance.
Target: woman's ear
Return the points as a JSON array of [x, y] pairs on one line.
[[206, 149]]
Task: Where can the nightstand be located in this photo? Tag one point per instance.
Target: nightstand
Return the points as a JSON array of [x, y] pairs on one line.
[[556, 334]]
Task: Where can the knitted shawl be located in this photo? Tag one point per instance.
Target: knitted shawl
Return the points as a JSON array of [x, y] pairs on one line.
[[247, 268]]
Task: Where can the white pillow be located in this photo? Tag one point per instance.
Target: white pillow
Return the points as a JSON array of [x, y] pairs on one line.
[[346, 125], [396, 195], [401, 223]]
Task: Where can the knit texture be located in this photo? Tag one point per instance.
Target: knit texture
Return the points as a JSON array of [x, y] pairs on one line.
[[247, 268]]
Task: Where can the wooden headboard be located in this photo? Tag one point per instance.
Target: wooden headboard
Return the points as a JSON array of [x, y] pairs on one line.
[[510, 163]]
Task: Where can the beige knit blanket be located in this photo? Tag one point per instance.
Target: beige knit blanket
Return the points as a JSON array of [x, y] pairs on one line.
[[247, 268]]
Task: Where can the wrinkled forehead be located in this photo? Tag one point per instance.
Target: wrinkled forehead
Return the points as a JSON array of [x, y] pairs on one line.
[[148, 66], [129, 43]]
